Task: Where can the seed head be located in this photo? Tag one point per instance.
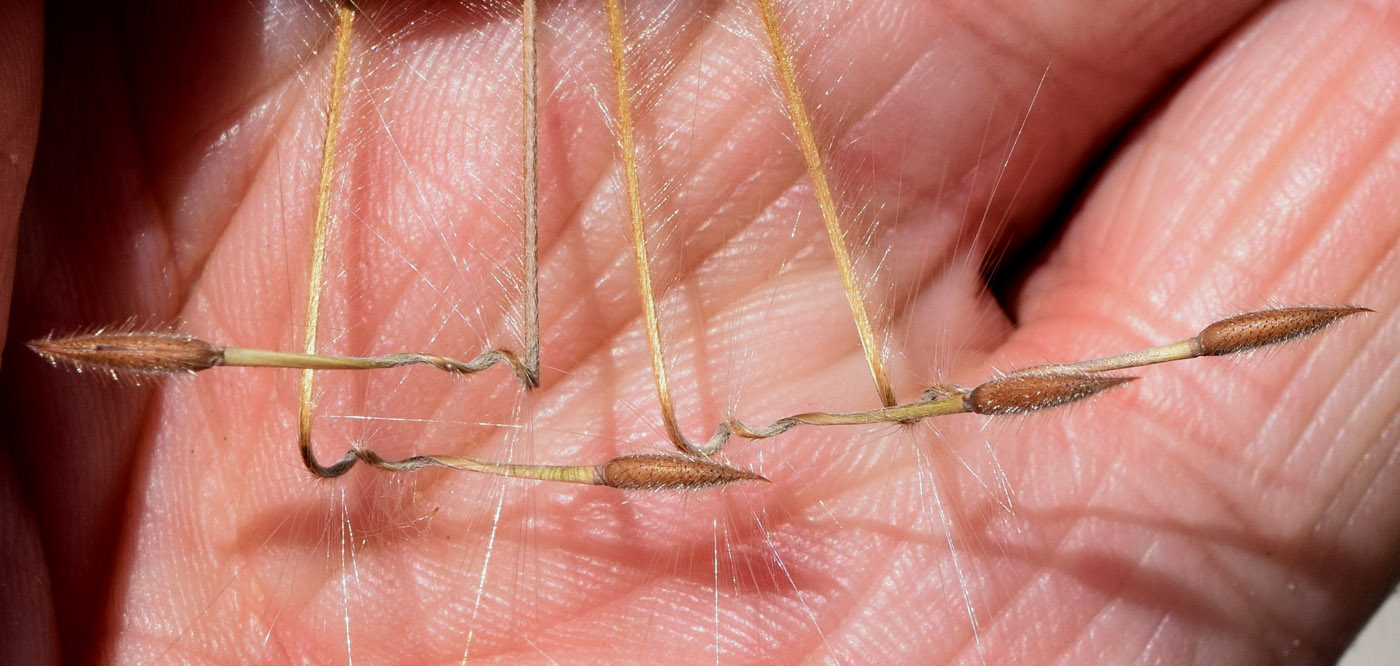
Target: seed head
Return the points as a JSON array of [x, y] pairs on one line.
[[1252, 330], [1029, 392], [652, 471], [130, 353]]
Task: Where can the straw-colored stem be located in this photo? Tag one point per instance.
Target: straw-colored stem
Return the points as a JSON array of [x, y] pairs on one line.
[[340, 65], [309, 361], [1176, 351], [627, 148], [806, 141], [531, 148], [259, 358]]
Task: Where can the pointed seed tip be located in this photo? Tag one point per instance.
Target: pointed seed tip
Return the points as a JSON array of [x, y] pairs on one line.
[[741, 474]]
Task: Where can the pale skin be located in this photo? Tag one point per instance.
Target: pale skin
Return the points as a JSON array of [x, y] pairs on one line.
[[1217, 511]]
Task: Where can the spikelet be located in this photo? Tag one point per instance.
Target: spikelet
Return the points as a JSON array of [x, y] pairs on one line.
[[652, 471], [1029, 392], [1253, 330], [130, 353]]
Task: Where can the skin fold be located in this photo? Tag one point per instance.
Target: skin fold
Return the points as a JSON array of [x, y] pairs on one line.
[[1125, 175]]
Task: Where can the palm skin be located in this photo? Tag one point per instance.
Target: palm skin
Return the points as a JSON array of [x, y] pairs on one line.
[[1219, 511]]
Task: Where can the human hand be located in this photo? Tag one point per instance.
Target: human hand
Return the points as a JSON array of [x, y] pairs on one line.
[[1225, 510]]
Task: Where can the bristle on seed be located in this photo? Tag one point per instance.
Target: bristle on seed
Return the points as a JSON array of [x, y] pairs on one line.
[[128, 353], [1018, 394], [1253, 330], [650, 471]]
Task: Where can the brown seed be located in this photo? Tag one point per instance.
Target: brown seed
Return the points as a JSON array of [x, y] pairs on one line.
[[130, 353], [652, 471], [1266, 327], [1018, 394]]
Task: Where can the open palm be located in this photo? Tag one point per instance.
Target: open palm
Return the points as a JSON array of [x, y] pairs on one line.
[[1220, 511]]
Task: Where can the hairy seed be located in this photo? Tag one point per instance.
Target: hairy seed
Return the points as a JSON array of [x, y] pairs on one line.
[[1267, 327], [651, 471], [1018, 394], [130, 353]]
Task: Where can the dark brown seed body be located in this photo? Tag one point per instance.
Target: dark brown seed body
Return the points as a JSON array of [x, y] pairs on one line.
[[1018, 394], [131, 353], [650, 471], [1267, 327]]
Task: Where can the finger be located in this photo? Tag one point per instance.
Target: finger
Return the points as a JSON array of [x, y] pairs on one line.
[[30, 635], [1268, 179]]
